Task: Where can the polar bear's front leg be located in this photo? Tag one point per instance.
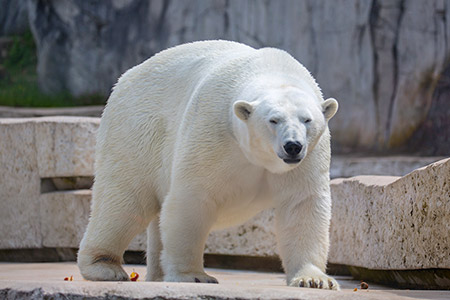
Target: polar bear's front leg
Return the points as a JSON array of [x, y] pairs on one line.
[[186, 220], [302, 232]]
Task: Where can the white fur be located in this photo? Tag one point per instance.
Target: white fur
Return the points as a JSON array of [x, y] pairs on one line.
[[188, 138]]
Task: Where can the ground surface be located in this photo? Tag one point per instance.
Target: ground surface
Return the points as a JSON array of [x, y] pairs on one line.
[[46, 281]]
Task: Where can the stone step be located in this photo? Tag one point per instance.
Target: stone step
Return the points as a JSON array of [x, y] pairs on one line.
[[397, 223], [46, 281]]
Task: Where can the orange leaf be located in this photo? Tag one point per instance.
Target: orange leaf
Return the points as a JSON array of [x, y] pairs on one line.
[[134, 276]]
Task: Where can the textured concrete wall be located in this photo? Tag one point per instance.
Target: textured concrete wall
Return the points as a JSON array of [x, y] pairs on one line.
[[382, 59]]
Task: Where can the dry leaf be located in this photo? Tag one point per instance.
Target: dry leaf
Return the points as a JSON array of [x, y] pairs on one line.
[[134, 276], [364, 285]]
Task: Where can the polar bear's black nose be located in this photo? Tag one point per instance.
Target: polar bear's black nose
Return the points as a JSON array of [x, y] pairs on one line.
[[292, 148]]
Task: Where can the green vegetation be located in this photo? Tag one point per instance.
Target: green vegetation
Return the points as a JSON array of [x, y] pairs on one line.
[[18, 78]]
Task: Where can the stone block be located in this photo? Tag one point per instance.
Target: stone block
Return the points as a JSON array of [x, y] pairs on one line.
[[393, 223], [64, 217], [20, 226], [30, 150], [65, 146], [256, 237]]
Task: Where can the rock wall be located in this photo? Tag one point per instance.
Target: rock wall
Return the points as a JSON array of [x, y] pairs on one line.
[[13, 17], [381, 59]]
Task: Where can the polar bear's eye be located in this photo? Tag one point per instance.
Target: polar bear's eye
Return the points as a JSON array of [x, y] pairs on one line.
[[307, 121], [273, 121]]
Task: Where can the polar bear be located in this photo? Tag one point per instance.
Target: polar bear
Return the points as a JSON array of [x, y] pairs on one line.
[[203, 136]]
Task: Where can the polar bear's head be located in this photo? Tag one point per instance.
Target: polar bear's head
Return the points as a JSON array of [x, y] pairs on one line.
[[280, 127]]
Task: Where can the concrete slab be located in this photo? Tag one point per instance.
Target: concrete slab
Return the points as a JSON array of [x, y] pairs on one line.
[[46, 281], [65, 145], [20, 226], [255, 237], [64, 228], [30, 150], [393, 223]]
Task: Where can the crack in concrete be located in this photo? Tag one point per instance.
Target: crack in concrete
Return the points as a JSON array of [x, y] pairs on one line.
[[161, 19], [444, 20], [314, 68], [395, 70], [226, 17], [373, 16]]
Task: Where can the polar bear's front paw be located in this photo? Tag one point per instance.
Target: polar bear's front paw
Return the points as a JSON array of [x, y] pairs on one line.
[[312, 277], [191, 277], [320, 282]]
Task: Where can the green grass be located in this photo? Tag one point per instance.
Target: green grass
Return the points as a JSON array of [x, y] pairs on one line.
[[18, 79]]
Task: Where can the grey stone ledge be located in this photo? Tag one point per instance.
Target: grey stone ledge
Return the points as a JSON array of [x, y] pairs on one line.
[[18, 112], [392, 223]]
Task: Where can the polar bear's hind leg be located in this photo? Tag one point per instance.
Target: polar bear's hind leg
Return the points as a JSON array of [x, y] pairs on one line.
[[112, 226], [154, 248]]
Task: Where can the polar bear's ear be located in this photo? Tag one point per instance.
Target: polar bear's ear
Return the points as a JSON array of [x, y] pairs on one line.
[[329, 108], [243, 110]]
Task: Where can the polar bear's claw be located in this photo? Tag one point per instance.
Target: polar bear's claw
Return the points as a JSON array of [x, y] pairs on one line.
[[332, 286], [312, 277], [213, 280], [318, 283]]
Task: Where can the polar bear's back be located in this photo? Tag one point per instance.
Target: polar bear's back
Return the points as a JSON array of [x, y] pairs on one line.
[[172, 74], [142, 117], [168, 79], [161, 86]]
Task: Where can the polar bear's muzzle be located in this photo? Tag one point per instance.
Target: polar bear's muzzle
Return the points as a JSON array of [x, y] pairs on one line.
[[292, 152]]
